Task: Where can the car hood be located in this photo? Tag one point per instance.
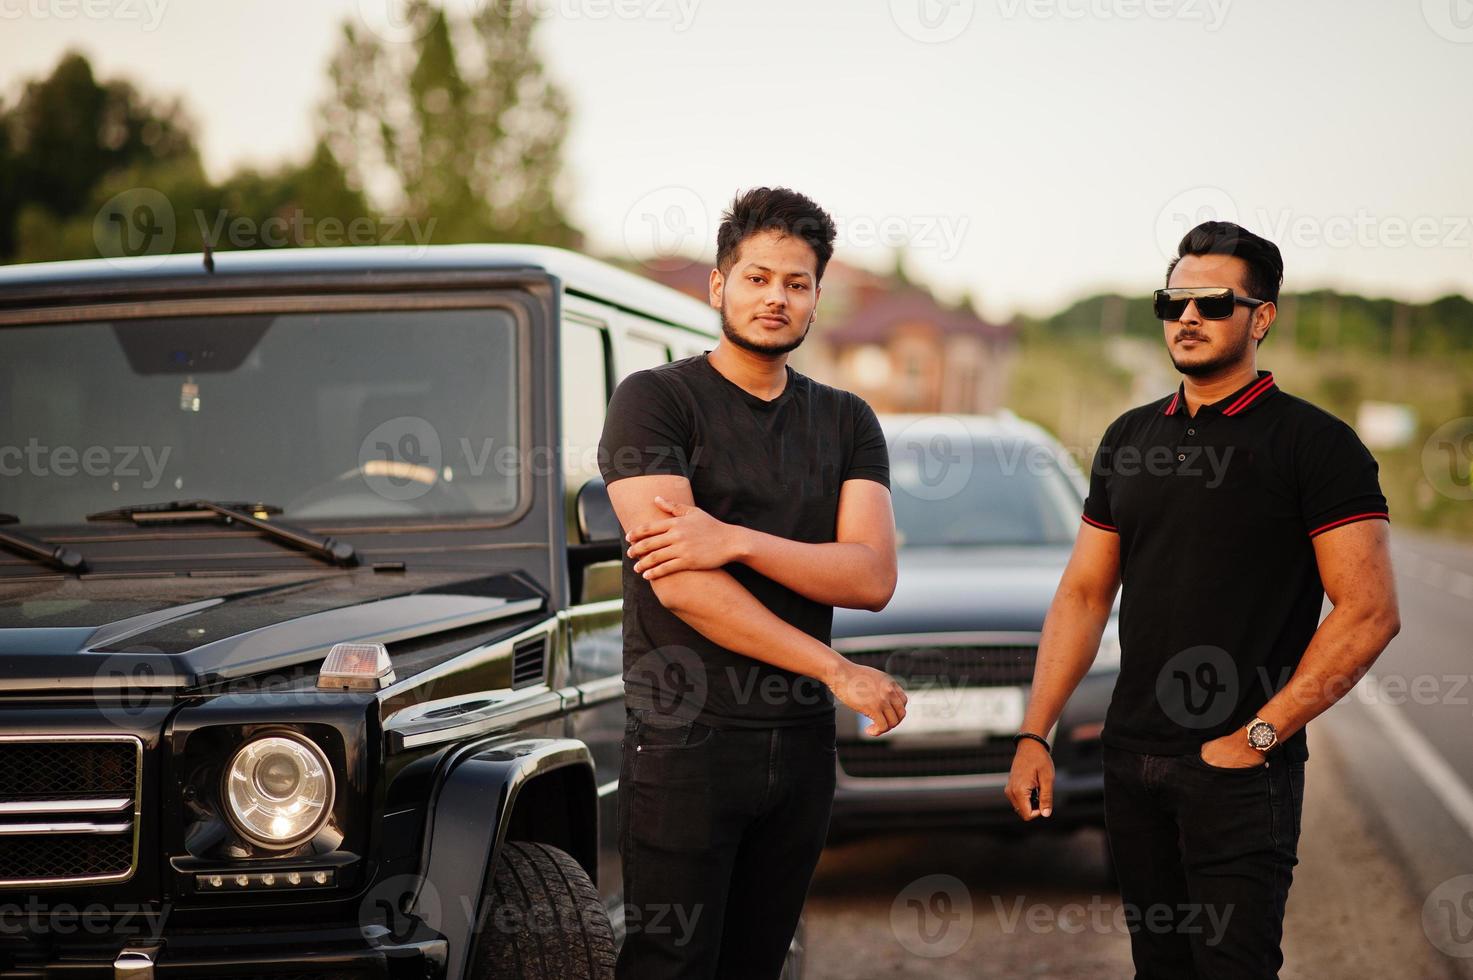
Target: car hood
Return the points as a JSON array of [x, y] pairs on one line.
[[950, 589], [89, 634]]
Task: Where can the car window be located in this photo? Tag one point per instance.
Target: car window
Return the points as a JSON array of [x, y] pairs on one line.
[[950, 493], [359, 414]]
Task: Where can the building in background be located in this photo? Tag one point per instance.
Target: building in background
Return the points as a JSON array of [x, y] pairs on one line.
[[890, 341]]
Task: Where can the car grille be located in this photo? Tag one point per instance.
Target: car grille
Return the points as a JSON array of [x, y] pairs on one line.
[[885, 760], [68, 808], [960, 666]]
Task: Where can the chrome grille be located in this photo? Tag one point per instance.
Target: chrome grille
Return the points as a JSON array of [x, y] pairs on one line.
[[69, 808], [876, 759], [956, 666]]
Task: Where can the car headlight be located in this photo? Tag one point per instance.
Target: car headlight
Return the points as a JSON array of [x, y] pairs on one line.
[[1108, 657], [278, 790]]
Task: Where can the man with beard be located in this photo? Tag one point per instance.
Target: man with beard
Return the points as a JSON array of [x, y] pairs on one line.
[[755, 500], [1228, 509]]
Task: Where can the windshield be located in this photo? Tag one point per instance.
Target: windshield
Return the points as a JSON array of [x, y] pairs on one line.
[[950, 492], [326, 415]]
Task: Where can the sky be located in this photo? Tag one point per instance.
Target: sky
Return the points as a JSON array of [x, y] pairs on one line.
[[1028, 152]]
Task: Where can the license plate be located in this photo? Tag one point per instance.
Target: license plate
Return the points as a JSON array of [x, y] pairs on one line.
[[958, 711]]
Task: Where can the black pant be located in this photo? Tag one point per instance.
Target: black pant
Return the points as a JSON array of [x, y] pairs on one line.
[[719, 830], [1205, 857]]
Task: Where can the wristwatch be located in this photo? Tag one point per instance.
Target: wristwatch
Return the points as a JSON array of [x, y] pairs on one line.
[[1262, 735]]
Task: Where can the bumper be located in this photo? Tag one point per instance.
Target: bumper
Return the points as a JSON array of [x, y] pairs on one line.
[[324, 954], [862, 805]]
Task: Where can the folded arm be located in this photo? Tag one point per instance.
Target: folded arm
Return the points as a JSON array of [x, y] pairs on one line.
[[857, 570], [716, 605]]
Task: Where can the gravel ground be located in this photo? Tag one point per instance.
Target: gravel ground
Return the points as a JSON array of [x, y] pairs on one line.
[[1041, 906]]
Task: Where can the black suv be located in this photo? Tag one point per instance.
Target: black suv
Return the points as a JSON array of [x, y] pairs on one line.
[[309, 612]]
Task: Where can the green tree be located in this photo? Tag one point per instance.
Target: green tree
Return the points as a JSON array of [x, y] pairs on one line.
[[68, 132], [461, 127]]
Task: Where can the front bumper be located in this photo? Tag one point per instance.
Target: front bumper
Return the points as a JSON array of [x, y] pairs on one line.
[[344, 953], [930, 802]]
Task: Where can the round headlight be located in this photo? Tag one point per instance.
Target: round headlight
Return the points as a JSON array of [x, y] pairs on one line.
[[278, 790]]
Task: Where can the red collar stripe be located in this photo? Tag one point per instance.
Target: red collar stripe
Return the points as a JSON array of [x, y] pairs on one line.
[[1171, 409], [1264, 383]]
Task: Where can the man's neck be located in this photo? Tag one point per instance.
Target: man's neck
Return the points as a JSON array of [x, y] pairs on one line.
[[1205, 391], [764, 377]]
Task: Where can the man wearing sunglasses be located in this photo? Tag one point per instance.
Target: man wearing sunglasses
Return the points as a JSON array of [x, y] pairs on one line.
[[1228, 509]]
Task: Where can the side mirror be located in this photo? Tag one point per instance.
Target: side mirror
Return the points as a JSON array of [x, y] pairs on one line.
[[597, 522]]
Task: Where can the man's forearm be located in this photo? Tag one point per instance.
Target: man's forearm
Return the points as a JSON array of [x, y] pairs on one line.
[[716, 606], [1344, 647], [834, 573], [1069, 644]]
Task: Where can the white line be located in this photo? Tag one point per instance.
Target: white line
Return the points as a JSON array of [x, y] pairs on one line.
[[1423, 758]]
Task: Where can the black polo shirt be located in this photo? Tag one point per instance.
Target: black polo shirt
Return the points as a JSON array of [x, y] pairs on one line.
[[1220, 590]]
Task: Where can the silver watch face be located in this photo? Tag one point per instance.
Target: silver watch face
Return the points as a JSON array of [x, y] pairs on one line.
[[1262, 735]]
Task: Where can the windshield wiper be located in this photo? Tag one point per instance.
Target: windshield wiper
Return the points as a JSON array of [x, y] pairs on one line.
[[175, 511], [54, 555]]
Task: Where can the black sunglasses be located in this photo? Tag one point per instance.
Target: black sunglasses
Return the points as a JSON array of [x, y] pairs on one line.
[[1213, 302]]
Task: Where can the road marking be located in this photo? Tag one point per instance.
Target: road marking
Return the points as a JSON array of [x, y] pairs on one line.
[[1422, 757]]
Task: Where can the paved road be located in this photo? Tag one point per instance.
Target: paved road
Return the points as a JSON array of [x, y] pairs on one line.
[[1379, 891]]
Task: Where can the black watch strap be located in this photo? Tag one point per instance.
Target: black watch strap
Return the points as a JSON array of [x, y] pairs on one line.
[[1037, 738]]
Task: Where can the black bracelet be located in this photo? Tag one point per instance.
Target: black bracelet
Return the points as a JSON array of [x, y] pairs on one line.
[[1037, 738]]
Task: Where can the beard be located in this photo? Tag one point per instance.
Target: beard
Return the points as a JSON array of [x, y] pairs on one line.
[[766, 350], [1216, 364]]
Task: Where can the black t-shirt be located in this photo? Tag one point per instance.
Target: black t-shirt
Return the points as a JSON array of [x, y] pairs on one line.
[[1220, 592], [775, 466]]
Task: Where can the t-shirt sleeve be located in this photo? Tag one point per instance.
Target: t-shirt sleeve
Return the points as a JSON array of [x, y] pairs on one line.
[[647, 431], [1097, 503], [1338, 482], [870, 458]]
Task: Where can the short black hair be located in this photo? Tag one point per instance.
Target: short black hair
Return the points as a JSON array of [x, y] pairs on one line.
[[1265, 264], [774, 209]]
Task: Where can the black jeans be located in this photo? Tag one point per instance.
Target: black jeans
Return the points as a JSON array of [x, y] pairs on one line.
[[1205, 856], [719, 831]]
